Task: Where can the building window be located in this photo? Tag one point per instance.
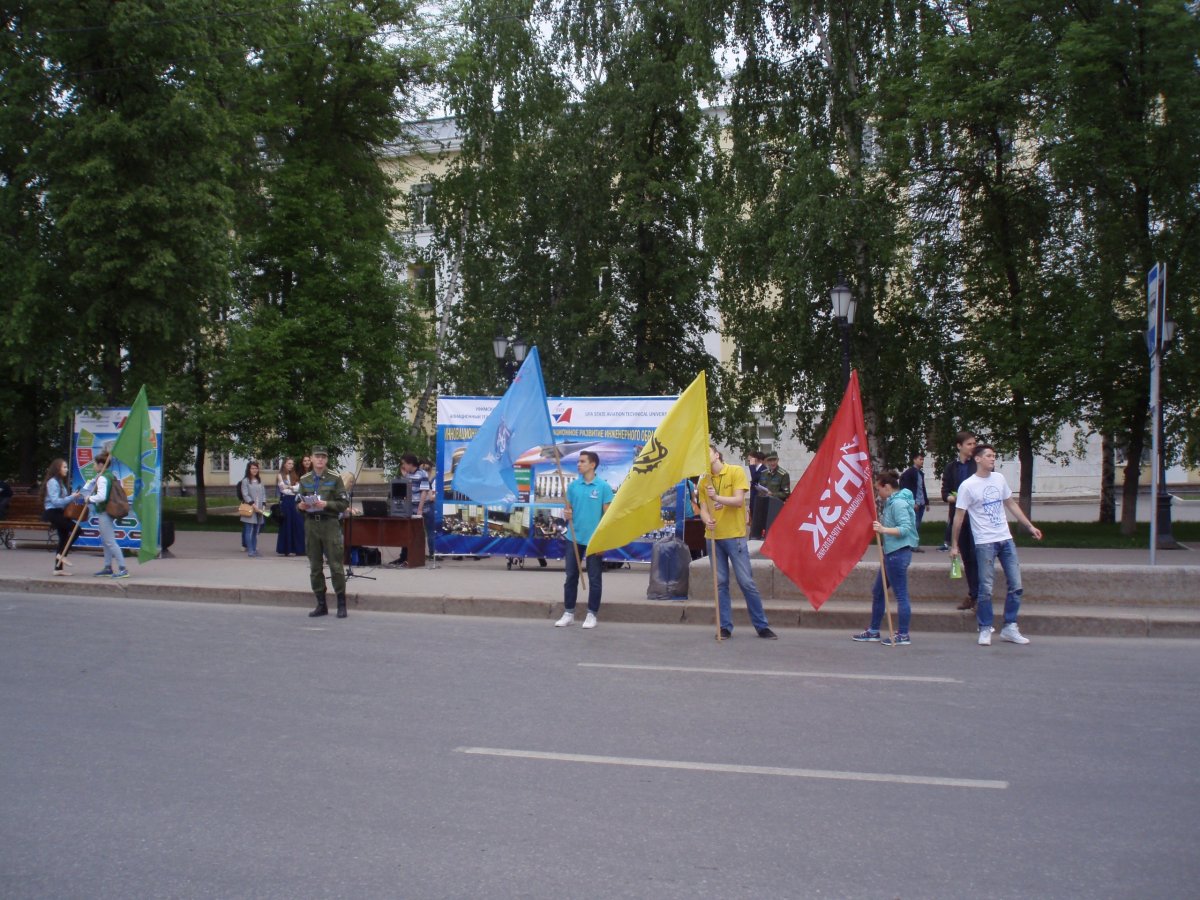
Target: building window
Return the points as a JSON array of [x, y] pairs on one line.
[[271, 465], [423, 282], [421, 205], [219, 462]]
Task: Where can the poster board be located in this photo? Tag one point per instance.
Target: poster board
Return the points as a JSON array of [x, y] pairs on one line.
[[93, 430], [615, 428]]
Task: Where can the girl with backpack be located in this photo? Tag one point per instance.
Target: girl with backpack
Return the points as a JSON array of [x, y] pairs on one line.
[[100, 490]]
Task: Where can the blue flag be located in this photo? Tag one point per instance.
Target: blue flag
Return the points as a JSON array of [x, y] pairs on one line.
[[520, 422]]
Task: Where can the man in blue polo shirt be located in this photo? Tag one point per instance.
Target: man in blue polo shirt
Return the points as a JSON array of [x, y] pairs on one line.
[[587, 499]]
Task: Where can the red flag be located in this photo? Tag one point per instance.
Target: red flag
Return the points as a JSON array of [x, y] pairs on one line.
[[824, 528]]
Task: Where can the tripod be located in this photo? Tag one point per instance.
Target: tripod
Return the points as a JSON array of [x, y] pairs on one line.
[[350, 573]]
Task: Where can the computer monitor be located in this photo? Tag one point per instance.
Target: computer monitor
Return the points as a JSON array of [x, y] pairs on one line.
[[375, 508]]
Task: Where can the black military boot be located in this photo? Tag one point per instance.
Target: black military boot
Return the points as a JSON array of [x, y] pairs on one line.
[[322, 609], [341, 605]]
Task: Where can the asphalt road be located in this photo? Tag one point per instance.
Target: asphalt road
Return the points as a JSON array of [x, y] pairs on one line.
[[162, 749]]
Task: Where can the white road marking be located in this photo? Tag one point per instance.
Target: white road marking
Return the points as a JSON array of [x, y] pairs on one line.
[[727, 769], [934, 679]]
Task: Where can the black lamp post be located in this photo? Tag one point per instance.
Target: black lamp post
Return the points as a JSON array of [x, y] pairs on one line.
[[1166, 540], [844, 305], [500, 347]]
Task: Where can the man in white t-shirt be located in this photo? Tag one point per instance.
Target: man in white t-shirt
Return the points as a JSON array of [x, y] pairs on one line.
[[985, 496]]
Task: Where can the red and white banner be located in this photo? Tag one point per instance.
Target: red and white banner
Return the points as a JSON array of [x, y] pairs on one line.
[[824, 528]]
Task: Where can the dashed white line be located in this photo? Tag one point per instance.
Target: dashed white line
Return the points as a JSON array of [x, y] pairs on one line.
[[729, 769], [928, 679]]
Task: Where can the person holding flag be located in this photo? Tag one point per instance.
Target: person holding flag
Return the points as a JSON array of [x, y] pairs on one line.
[[897, 525], [99, 490], [725, 487], [588, 498]]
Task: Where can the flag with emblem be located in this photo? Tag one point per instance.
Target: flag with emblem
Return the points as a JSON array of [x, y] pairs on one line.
[[678, 450], [137, 447], [520, 422], [824, 528]]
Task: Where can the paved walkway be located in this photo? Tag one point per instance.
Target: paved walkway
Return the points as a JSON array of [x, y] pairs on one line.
[[1067, 592]]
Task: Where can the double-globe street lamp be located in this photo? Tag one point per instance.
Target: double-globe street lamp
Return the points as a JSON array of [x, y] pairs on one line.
[[844, 304], [501, 345]]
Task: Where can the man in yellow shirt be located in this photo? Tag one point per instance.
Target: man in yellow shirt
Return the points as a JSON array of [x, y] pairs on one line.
[[725, 518]]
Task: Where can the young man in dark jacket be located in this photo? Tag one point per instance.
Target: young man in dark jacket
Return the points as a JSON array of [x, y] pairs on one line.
[[962, 468]]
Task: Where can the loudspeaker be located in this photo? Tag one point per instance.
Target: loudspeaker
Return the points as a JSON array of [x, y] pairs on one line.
[[399, 503]]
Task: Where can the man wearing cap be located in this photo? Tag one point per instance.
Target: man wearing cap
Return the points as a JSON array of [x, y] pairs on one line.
[[774, 484], [322, 498]]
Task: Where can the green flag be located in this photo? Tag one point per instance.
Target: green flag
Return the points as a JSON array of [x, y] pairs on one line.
[[137, 448]]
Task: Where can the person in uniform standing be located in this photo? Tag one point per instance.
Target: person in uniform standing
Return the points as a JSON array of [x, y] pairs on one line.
[[322, 498]]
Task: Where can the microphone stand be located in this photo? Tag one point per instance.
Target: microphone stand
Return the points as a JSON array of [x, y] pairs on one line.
[[350, 573]]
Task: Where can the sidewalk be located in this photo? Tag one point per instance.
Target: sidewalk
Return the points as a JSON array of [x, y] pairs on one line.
[[1067, 592]]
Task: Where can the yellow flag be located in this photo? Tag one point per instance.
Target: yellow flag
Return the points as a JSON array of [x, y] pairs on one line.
[[678, 450]]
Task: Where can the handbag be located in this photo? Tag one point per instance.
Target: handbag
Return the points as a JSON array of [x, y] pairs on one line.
[[245, 510]]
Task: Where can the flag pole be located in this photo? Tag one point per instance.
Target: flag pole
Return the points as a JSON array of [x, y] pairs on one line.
[[62, 557], [883, 575], [882, 560], [571, 523], [712, 550]]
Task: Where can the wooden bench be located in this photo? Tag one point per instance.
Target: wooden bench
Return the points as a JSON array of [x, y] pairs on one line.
[[25, 514]]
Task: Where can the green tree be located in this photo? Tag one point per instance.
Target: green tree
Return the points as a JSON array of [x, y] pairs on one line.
[[1122, 126], [985, 201], [805, 197], [322, 340], [580, 188], [120, 157]]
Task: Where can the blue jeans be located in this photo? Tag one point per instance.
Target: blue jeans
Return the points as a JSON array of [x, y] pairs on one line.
[[427, 517], [734, 550], [595, 574], [896, 564], [986, 556], [250, 537], [113, 557]]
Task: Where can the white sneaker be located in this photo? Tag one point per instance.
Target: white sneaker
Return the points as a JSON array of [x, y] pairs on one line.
[[1012, 633], [567, 618], [985, 636], [589, 621]]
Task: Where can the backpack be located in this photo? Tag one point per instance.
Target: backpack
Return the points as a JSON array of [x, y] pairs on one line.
[[669, 562], [117, 506]]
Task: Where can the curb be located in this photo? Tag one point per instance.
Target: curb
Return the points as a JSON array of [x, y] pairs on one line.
[[931, 616]]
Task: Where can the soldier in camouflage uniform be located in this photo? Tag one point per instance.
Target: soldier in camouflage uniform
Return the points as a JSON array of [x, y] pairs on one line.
[[323, 531]]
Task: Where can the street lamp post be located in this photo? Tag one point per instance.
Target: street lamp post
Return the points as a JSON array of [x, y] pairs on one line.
[[500, 347], [1165, 539], [844, 304]]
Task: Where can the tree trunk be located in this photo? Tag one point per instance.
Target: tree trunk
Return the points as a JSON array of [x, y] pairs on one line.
[[1133, 465], [448, 294], [1025, 455], [201, 497], [1108, 480]]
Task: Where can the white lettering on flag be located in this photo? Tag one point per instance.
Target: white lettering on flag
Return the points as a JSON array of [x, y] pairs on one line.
[[851, 469]]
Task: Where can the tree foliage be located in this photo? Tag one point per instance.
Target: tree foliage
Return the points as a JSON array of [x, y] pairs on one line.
[[192, 199]]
